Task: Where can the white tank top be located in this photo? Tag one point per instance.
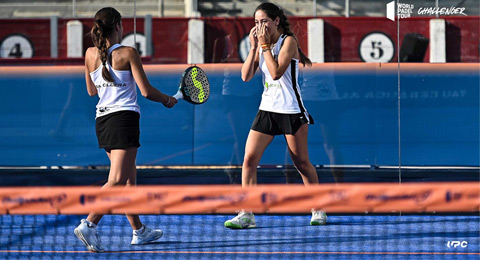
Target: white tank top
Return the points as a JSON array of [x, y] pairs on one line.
[[118, 95], [282, 95]]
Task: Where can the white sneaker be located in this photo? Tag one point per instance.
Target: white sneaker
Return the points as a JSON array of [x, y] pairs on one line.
[[87, 233], [319, 217], [145, 235], [242, 220]]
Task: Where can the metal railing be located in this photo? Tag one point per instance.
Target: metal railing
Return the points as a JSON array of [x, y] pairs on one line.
[[77, 9], [193, 8]]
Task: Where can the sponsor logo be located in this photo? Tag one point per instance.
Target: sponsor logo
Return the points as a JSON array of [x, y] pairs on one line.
[[156, 196], [84, 199], [233, 199], [406, 10], [272, 85], [451, 196], [454, 95], [111, 85], [391, 11], [417, 197], [52, 200], [442, 11], [455, 244], [403, 10], [90, 199], [338, 195], [270, 198]]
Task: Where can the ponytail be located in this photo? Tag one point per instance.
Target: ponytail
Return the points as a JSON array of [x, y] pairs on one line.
[[285, 25], [105, 21]]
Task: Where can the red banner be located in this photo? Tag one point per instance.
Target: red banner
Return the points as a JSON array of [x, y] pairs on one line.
[[30, 38]]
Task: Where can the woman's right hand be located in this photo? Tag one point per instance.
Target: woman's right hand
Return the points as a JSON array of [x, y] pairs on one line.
[[253, 38], [171, 101]]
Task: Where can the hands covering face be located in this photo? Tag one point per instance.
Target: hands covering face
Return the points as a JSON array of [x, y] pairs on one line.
[[259, 34], [263, 35]]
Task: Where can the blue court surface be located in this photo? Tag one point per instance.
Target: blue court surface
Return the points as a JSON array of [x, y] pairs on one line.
[[366, 236]]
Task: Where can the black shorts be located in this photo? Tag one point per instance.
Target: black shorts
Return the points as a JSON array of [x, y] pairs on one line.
[[118, 130], [272, 123]]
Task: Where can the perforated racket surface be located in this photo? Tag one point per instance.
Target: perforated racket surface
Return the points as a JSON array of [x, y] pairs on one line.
[[194, 86]]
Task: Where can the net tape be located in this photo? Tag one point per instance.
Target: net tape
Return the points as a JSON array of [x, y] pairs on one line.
[[192, 199]]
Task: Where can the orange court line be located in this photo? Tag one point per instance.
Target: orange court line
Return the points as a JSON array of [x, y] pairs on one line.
[[215, 67], [249, 252]]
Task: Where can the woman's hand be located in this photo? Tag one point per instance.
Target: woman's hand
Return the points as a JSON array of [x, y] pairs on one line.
[[253, 38], [263, 35], [171, 101]]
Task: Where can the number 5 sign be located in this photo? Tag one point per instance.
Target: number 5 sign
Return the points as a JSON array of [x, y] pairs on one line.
[[16, 46], [376, 47]]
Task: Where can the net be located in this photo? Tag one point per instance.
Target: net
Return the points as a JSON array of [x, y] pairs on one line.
[[421, 220]]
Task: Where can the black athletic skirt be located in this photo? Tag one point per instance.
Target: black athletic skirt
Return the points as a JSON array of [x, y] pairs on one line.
[[272, 123], [118, 130]]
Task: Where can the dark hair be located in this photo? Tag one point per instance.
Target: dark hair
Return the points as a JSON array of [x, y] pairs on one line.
[[273, 11], [105, 21]]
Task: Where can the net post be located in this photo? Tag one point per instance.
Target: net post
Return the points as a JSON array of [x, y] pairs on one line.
[[53, 36], [148, 35]]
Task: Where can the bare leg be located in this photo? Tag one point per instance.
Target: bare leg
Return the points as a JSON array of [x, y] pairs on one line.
[[298, 149], [122, 172], [330, 137], [134, 219], [256, 144]]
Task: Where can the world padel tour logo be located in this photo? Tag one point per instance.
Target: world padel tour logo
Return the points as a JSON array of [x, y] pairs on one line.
[[403, 10], [406, 10]]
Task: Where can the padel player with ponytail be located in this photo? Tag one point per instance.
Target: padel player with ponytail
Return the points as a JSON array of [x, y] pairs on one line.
[[112, 71], [275, 50]]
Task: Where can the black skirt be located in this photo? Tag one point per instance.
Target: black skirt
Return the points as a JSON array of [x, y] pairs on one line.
[[118, 130], [272, 123]]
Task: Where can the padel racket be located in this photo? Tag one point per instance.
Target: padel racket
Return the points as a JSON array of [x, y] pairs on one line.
[[194, 86]]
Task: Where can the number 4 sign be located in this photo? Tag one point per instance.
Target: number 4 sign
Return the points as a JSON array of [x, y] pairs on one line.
[[16, 46]]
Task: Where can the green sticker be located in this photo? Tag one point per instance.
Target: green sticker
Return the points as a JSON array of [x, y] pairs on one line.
[[198, 84]]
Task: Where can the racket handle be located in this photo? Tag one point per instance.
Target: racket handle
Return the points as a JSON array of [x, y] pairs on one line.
[[179, 95]]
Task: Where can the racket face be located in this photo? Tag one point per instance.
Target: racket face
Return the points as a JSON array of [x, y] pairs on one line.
[[195, 86]]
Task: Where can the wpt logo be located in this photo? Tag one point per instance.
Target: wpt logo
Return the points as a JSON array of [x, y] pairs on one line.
[[402, 10], [391, 11], [455, 244], [405, 10]]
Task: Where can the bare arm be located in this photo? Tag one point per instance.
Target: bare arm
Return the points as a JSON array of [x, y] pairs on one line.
[[89, 57], [147, 90], [251, 63], [287, 52]]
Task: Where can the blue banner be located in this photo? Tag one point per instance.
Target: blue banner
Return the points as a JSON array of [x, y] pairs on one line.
[[48, 119]]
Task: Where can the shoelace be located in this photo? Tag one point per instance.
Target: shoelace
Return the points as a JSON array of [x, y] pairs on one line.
[[138, 233], [238, 217]]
